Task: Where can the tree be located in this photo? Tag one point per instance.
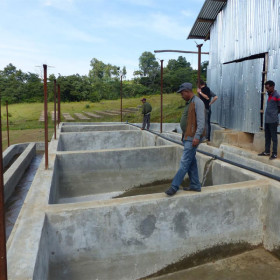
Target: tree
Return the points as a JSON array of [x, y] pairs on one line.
[[148, 64], [181, 62]]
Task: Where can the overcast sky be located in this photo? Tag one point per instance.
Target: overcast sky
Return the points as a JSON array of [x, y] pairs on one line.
[[67, 34]]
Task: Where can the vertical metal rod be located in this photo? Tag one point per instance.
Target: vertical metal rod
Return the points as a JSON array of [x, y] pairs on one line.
[[3, 252], [8, 132], [46, 117], [199, 65], [58, 103], [54, 101], [121, 98], [161, 93]]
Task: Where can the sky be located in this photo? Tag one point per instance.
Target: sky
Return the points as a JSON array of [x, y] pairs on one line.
[[68, 34]]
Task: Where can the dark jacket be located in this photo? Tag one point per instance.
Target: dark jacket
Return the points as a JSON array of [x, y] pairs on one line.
[[147, 108]]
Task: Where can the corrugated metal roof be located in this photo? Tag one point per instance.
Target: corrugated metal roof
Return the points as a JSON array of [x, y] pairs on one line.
[[206, 17]]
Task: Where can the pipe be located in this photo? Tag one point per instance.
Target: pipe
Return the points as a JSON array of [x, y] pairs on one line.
[[54, 89], [121, 98], [199, 65], [46, 116], [160, 51], [58, 104], [260, 172], [161, 93], [8, 132], [3, 250]]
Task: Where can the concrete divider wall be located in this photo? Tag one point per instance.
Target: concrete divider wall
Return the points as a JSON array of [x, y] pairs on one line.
[[92, 127], [224, 173], [17, 169], [54, 190], [41, 270], [149, 139], [11, 151], [63, 124], [166, 127], [99, 140], [25, 242], [85, 173], [271, 220], [154, 232]]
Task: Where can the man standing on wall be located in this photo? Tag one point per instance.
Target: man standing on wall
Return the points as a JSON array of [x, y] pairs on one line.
[[146, 111], [206, 95], [192, 124], [271, 120]]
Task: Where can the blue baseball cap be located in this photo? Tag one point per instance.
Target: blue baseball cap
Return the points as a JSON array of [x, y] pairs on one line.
[[185, 86]]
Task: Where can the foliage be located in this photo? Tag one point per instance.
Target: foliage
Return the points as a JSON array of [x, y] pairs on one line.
[[17, 86], [102, 82]]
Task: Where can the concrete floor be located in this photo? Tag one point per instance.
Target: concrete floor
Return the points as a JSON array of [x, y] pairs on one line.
[[253, 265]]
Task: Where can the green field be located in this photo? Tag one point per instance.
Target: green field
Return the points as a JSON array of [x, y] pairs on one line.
[[24, 118]]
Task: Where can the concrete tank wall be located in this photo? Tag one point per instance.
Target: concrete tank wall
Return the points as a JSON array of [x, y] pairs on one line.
[[88, 173], [272, 221], [97, 140], [92, 127], [130, 238]]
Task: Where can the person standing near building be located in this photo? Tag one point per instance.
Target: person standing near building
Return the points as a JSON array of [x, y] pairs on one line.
[[192, 124], [146, 111], [208, 97], [271, 120]]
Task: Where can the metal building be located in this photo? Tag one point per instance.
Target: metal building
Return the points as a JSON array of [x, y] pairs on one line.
[[244, 52]]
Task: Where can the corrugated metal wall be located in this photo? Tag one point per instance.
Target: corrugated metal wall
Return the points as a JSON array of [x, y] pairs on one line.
[[242, 29]]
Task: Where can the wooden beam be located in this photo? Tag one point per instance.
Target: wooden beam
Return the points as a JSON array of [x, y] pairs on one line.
[[205, 20], [196, 37], [207, 37]]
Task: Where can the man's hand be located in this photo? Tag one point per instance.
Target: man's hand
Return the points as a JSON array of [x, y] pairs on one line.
[[195, 142]]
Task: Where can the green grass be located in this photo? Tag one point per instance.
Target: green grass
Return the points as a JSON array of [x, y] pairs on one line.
[[24, 118]]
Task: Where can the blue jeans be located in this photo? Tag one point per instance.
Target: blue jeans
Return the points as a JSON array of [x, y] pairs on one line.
[[187, 165]]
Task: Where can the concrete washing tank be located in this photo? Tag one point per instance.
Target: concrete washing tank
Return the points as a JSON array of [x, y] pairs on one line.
[[73, 227]]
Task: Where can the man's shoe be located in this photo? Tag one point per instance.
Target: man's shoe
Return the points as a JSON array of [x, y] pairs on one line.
[[264, 154], [170, 191], [190, 189], [273, 156]]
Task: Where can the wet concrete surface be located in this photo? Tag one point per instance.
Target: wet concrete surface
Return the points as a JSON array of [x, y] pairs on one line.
[[15, 202], [257, 264], [155, 187], [209, 255]]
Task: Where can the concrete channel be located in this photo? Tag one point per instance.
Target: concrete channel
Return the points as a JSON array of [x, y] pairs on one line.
[[78, 221]]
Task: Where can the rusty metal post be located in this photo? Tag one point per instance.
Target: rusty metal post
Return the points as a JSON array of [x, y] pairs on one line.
[[3, 250], [161, 93], [8, 132], [199, 65], [54, 101], [46, 116], [121, 98], [58, 104]]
